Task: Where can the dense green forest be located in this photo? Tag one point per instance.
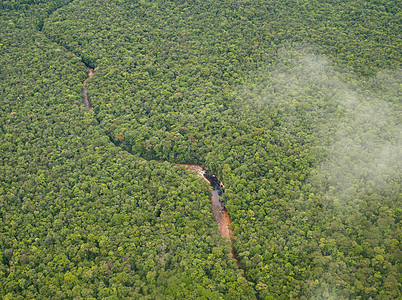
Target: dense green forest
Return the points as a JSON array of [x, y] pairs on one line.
[[295, 105]]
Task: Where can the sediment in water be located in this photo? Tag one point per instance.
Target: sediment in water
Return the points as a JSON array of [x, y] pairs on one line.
[[84, 90], [221, 215]]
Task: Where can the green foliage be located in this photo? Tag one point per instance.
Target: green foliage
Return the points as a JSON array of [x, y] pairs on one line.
[[295, 105]]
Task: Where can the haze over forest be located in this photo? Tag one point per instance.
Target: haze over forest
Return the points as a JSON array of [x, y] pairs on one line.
[[294, 105]]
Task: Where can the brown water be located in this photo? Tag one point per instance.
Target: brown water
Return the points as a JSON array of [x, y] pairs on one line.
[[90, 73], [84, 90], [221, 215]]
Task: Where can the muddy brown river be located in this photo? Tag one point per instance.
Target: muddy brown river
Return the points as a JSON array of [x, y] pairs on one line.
[[221, 215], [84, 90]]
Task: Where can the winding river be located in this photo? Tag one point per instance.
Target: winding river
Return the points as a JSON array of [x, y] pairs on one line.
[[221, 215]]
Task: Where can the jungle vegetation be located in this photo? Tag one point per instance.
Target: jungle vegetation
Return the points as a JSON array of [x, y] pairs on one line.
[[295, 105]]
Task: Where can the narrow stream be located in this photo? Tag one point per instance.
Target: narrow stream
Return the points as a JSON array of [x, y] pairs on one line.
[[221, 215], [84, 90], [90, 73]]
